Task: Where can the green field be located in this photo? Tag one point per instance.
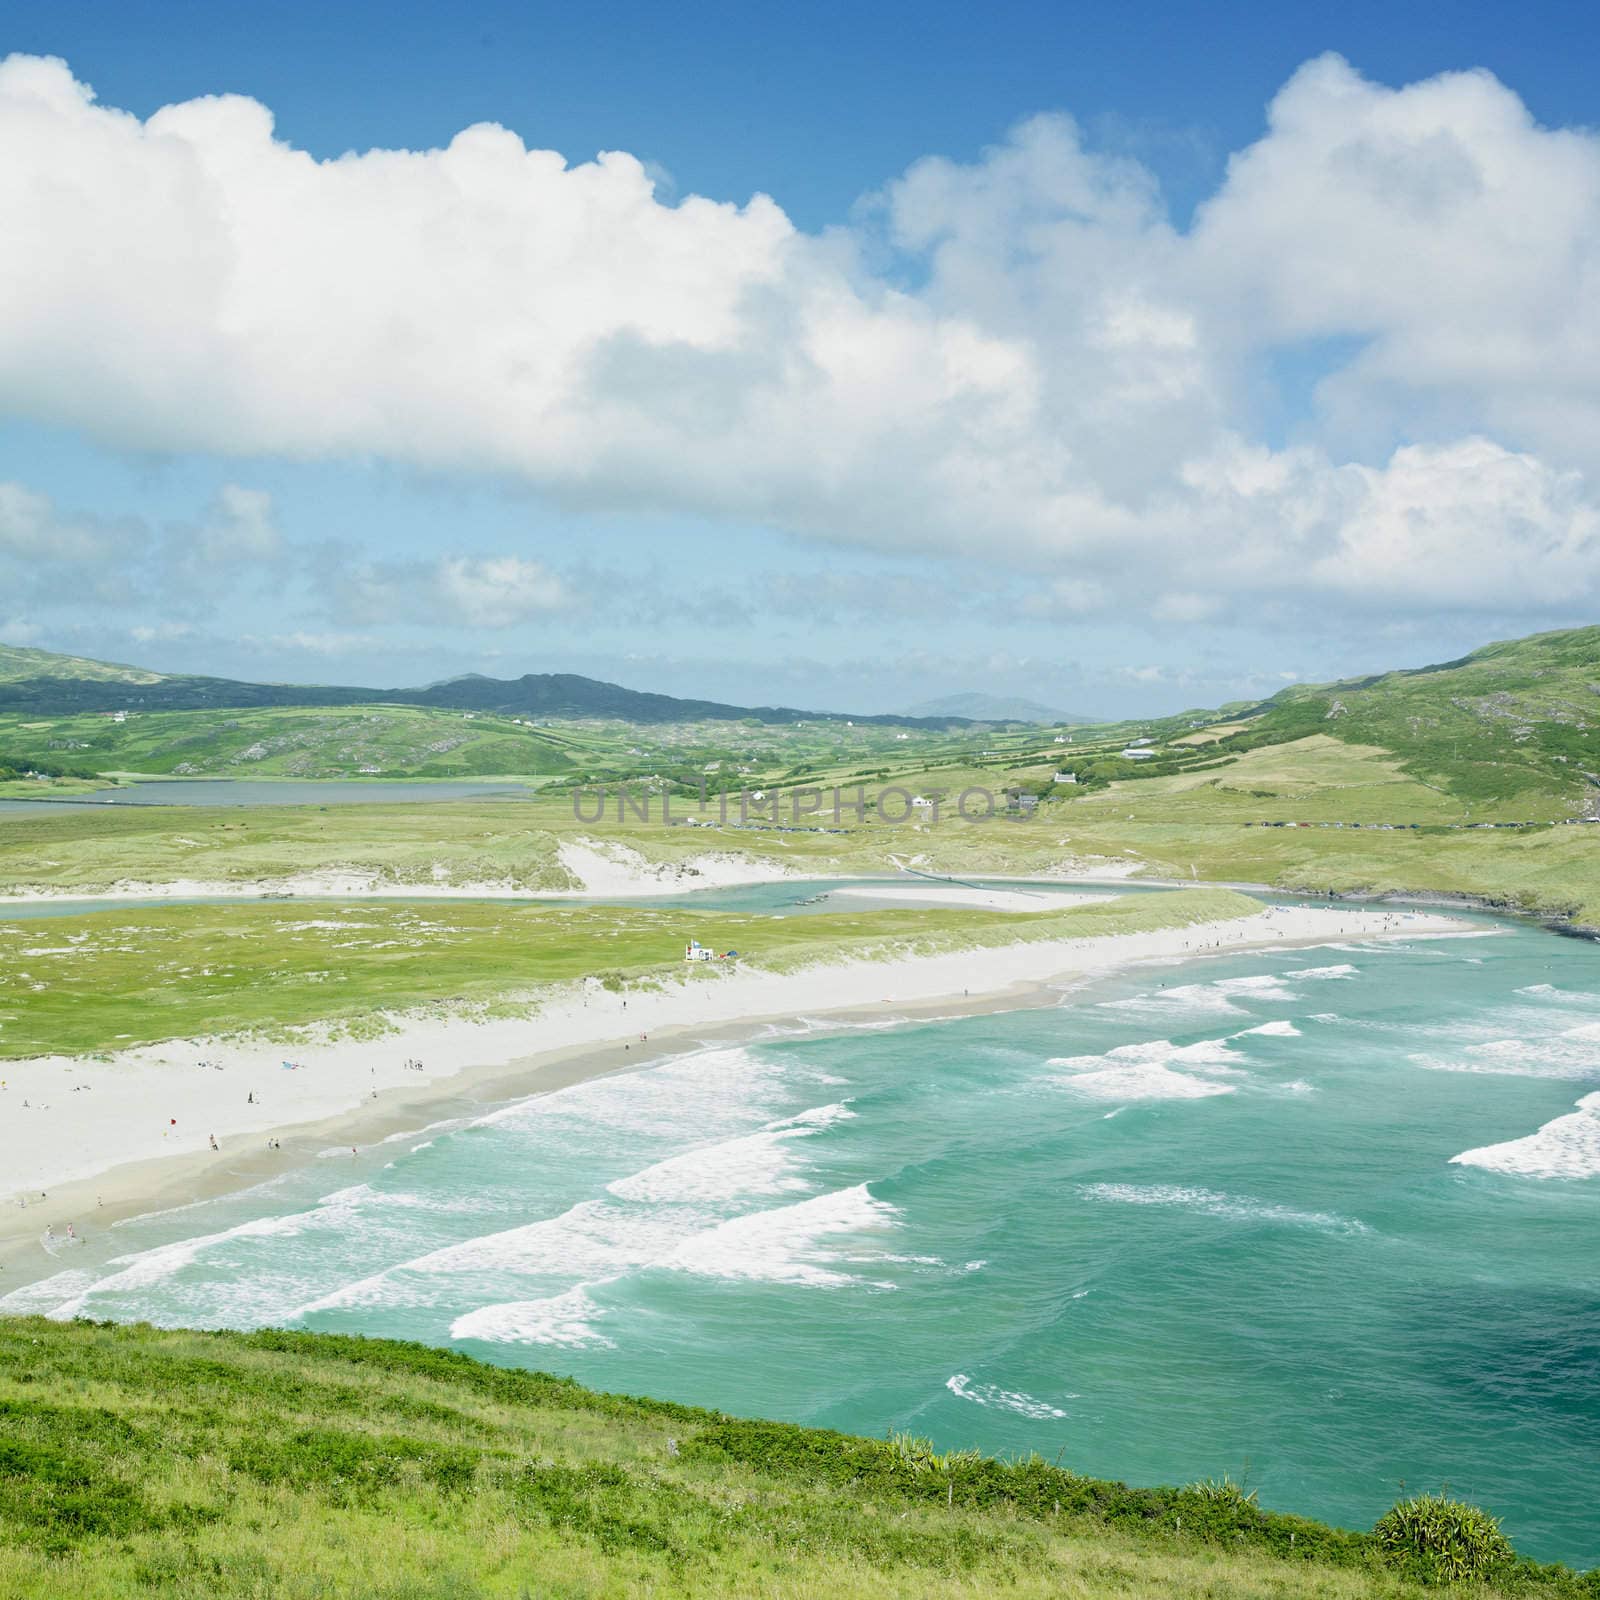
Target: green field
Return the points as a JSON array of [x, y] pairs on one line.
[[293, 1466], [424, 742], [297, 742], [1381, 784], [114, 979]]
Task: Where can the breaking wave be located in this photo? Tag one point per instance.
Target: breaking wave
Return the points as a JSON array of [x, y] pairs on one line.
[[785, 1245], [566, 1319], [1147, 1071], [1566, 1147], [988, 1394]]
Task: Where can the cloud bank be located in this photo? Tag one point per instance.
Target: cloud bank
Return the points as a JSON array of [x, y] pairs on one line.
[[1366, 374]]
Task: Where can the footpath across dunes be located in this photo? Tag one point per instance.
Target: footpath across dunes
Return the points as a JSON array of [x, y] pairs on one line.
[[225, 1466]]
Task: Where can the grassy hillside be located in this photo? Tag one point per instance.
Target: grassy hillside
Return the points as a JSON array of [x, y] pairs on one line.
[[221, 1466], [1502, 728], [1310, 790], [307, 742], [17, 664], [414, 741], [131, 976]]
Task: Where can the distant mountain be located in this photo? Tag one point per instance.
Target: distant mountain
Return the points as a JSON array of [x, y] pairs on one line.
[[994, 708], [36, 682], [17, 663]]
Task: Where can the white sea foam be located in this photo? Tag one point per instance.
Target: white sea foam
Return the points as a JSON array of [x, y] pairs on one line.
[[43, 1296], [588, 1239], [1212, 1203], [1321, 974], [785, 1245], [566, 1319], [704, 1091], [147, 1268], [1145, 1071], [1566, 1147], [1272, 1030], [756, 1163], [1572, 1053], [641, 1221], [988, 1394], [1220, 998]]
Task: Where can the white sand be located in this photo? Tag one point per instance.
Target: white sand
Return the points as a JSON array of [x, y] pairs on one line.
[[87, 1116], [614, 869]]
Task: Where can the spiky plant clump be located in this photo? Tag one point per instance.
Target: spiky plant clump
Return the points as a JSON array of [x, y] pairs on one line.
[[919, 1454], [1221, 1491], [1441, 1541]]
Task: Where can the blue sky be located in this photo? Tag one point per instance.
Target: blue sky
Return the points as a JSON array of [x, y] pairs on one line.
[[1161, 405]]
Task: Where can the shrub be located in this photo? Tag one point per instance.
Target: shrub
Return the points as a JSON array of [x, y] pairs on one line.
[[1438, 1540], [919, 1454]]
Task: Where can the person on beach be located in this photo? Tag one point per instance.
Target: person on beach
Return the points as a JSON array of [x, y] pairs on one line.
[[213, 1138]]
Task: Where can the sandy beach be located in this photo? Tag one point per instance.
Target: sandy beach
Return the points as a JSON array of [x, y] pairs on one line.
[[96, 1139]]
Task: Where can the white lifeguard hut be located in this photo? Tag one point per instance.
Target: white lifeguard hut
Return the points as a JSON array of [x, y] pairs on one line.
[[695, 951]]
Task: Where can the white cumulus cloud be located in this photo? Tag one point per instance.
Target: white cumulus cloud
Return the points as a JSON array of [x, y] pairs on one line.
[[1020, 359]]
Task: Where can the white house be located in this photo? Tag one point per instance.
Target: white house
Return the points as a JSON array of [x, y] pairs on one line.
[[1066, 777]]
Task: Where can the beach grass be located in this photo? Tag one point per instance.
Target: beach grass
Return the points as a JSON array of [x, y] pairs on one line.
[[134, 975], [228, 1466]]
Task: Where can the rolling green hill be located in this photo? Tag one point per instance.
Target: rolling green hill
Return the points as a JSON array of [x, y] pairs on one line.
[[1511, 722], [289, 742], [39, 684], [19, 665], [221, 1466]]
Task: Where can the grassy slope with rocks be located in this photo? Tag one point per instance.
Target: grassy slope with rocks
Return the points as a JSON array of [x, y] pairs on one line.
[[228, 1466], [1501, 730]]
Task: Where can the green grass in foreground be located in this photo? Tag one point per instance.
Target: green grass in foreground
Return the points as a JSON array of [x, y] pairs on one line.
[[289, 1465], [113, 979]]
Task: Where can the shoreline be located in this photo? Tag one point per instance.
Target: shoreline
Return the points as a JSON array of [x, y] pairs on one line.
[[124, 1156]]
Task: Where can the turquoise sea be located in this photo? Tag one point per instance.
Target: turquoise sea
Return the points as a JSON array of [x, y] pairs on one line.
[[1195, 1220]]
